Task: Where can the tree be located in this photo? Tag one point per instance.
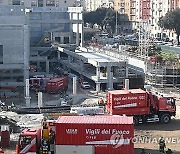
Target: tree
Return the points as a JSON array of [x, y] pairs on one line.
[[171, 21], [110, 19], [89, 17], [100, 15], [103, 17], [95, 16]]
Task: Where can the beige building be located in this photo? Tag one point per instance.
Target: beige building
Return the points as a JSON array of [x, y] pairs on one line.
[[92, 5], [127, 9]]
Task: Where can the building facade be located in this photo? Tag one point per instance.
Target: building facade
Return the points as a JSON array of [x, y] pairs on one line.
[[14, 46], [44, 22], [149, 11], [158, 9], [127, 10], [28, 23], [92, 5], [145, 9], [40, 3]]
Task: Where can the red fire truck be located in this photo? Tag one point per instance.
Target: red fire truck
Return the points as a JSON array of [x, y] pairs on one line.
[[80, 134], [51, 85], [57, 85], [38, 83], [143, 105]]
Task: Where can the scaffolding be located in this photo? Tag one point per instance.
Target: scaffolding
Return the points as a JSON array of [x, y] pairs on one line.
[[143, 38]]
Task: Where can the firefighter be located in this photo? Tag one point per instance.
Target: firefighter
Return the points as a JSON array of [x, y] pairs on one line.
[[101, 102], [162, 145], [51, 140], [51, 136], [45, 146]]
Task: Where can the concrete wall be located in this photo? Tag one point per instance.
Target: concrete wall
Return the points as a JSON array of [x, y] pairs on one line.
[[12, 22], [14, 40], [11, 37], [44, 20], [5, 2]]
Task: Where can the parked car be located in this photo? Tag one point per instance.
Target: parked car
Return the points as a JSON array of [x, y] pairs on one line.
[[85, 85]]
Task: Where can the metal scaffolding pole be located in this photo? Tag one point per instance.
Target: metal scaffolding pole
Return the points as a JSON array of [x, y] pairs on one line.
[[144, 43]]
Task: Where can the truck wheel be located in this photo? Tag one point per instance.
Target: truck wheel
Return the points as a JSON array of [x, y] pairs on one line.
[[144, 120], [135, 121], [165, 118]]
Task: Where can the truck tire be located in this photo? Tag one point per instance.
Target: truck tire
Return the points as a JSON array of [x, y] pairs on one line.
[[144, 120], [135, 121], [165, 118]]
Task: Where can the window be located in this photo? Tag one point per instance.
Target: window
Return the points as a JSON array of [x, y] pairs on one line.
[[57, 3], [22, 2], [57, 39], [50, 2], [66, 40], [16, 2], [33, 3], [40, 3], [1, 53], [170, 101], [1, 50]]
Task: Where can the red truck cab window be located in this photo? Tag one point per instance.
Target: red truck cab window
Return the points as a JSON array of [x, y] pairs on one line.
[[170, 101], [24, 140]]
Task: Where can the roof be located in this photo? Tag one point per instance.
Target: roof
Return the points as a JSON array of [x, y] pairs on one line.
[[30, 131], [56, 79], [116, 119], [134, 91], [98, 57]]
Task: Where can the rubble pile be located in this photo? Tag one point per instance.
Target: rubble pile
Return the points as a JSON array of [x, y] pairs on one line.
[[18, 122], [14, 128]]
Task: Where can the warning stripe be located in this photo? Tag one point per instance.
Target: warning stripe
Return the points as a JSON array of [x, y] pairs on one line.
[[113, 142], [126, 105]]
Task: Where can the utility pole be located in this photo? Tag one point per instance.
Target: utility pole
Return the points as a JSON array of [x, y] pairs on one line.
[[116, 22], [27, 96]]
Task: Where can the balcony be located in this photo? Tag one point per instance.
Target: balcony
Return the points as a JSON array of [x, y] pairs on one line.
[[133, 6], [132, 13], [160, 9]]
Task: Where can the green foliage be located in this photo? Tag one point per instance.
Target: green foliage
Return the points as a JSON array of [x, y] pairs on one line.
[[110, 19], [95, 16], [100, 14], [89, 17], [171, 21], [167, 56]]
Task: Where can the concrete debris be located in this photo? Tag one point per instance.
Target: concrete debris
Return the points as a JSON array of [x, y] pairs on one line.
[[19, 122], [12, 124]]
